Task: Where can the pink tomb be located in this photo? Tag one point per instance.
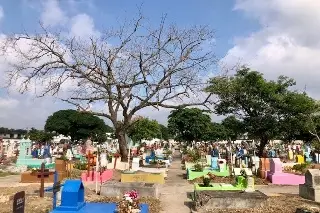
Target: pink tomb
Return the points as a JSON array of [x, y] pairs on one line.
[[276, 176]]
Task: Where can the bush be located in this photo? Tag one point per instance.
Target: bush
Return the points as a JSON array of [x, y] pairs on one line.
[[301, 167], [194, 155], [80, 166], [206, 181], [198, 167]]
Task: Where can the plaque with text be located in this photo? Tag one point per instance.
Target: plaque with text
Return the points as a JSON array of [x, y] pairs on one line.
[[19, 202]]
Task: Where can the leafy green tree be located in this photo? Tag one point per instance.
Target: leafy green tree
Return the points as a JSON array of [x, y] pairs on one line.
[[164, 133], [77, 125], [39, 135], [233, 127], [189, 124], [262, 106], [215, 132], [143, 128]]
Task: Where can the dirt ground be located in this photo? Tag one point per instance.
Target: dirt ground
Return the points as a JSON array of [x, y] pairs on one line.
[[35, 204], [174, 195]]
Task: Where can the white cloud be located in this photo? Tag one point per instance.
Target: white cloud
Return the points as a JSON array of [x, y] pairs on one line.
[[52, 15], [82, 26], [287, 43]]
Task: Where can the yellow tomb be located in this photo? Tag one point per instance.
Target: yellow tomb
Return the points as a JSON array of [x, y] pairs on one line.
[[146, 178], [299, 159]]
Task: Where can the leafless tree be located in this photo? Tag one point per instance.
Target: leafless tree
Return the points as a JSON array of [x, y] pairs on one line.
[[126, 69]]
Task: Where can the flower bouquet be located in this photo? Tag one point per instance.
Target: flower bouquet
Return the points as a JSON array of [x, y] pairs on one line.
[[129, 203]]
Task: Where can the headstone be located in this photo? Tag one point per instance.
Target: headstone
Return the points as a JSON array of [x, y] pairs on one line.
[[237, 171], [135, 164], [19, 202], [264, 166], [222, 165], [290, 154], [250, 185], [25, 149], [214, 163], [311, 188], [275, 165], [208, 157], [103, 159], [299, 159]]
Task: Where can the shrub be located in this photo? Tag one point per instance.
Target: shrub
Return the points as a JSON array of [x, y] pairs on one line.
[[206, 180], [198, 167]]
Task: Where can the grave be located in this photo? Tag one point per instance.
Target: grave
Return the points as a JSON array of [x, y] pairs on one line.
[[299, 159], [208, 158], [311, 188], [191, 174], [92, 176], [205, 201], [214, 163], [264, 167], [72, 201], [276, 176], [144, 177], [240, 185], [115, 189], [25, 157]]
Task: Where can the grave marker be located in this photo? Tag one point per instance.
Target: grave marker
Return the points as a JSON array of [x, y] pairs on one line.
[[42, 174], [55, 189], [19, 202]]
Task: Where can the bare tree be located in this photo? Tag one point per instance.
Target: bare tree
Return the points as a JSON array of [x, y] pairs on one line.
[[126, 70]]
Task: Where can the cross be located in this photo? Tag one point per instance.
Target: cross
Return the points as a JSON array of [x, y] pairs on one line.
[[42, 174]]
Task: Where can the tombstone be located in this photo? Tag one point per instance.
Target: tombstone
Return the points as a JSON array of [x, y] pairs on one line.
[[222, 165], [264, 166], [208, 157], [135, 164], [311, 188], [250, 185], [275, 165], [72, 200], [25, 149], [103, 159], [19, 202], [214, 163], [237, 171], [299, 159], [72, 196], [290, 154]]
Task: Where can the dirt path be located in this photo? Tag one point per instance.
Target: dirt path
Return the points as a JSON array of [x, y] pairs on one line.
[[14, 181], [174, 192]]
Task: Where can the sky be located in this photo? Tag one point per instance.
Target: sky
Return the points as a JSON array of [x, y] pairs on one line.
[[275, 37]]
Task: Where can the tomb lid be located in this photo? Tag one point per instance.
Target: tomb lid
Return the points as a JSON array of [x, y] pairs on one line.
[[72, 196], [312, 178]]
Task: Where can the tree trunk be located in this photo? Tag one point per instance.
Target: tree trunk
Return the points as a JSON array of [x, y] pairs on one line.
[[122, 145], [263, 142]]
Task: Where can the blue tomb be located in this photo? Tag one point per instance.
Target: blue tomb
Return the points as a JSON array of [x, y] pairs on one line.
[[72, 201], [214, 163]]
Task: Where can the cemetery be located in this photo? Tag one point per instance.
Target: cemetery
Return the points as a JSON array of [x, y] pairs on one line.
[[107, 108]]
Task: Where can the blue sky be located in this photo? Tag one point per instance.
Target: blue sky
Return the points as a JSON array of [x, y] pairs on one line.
[[218, 14], [274, 37]]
